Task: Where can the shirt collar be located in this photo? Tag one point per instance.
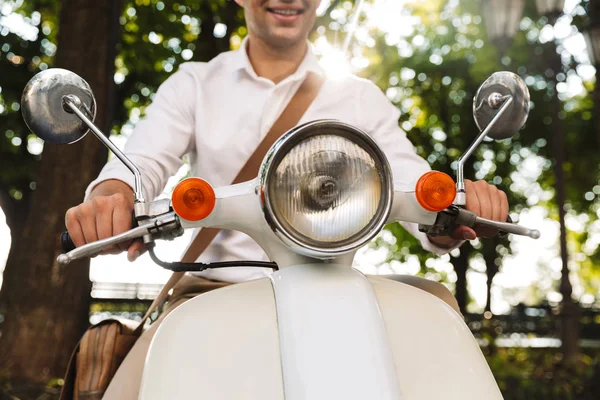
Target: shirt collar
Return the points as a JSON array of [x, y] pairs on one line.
[[310, 63]]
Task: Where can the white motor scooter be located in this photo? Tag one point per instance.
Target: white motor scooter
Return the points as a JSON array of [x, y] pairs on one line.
[[316, 329]]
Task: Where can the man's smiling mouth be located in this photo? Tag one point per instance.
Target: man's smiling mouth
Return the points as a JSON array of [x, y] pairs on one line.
[[285, 12]]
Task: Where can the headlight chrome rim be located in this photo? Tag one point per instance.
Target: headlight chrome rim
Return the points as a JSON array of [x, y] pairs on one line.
[[326, 128]]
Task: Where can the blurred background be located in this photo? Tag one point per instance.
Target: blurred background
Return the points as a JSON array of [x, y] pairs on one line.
[[532, 305]]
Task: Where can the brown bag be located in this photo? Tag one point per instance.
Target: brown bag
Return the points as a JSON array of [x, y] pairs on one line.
[[103, 346], [97, 357]]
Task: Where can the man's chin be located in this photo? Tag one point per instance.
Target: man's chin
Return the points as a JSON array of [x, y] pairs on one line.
[[282, 39]]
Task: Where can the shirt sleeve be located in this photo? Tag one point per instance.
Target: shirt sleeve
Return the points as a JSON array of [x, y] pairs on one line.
[[161, 139], [380, 118]]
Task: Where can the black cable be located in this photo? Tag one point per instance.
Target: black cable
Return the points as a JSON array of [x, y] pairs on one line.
[[197, 267]]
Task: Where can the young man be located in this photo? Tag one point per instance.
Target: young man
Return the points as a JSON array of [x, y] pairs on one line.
[[219, 112]]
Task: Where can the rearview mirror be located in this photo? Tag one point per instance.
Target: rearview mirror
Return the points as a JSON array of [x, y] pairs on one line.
[[43, 107], [493, 94]]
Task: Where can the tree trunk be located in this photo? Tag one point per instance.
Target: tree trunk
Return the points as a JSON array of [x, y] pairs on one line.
[[45, 305], [569, 314], [491, 269], [594, 18], [461, 264]]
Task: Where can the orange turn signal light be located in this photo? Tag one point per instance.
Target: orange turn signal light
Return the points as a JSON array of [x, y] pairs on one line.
[[193, 199], [435, 191]]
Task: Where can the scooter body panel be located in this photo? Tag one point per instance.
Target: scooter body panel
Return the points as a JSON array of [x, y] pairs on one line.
[[220, 345], [232, 344], [332, 338], [436, 355]]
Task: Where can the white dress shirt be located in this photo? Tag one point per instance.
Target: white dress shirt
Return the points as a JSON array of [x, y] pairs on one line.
[[219, 112]]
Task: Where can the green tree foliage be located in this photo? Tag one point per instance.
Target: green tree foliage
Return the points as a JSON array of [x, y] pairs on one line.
[[539, 374]]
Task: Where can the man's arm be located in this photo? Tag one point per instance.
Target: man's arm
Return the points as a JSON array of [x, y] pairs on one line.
[[156, 146], [161, 138]]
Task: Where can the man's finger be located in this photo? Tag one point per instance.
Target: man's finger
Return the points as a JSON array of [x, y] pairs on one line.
[[74, 227], [136, 249], [121, 223], [496, 202], [503, 206], [88, 225], [482, 190], [472, 203], [104, 223], [464, 233]]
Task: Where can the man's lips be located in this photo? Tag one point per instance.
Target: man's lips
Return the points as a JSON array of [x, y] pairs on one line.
[[285, 14]]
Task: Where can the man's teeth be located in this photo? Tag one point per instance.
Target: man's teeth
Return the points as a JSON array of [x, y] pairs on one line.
[[286, 12]]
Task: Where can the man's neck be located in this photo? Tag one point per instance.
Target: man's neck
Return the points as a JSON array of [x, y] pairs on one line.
[[274, 64]]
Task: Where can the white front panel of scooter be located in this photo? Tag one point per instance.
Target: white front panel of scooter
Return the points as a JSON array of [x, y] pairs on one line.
[[436, 355], [333, 334], [333, 341], [220, 345]]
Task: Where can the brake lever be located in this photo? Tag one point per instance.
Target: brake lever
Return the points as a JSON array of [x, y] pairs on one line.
[[470, 219], [97, 246], [167, 225], [509, 227], [141, 212], [450, 218]]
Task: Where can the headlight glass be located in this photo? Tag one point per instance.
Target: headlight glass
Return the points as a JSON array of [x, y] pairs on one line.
[[328, 191]]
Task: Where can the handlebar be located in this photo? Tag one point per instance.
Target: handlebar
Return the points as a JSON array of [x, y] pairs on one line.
[[167, 226], [66, 243]]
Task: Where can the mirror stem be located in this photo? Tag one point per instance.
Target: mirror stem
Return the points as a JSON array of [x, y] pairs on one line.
[[72, 104], [461, 198]]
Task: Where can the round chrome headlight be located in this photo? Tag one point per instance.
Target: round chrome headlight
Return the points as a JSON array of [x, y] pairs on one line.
[[327, 188]]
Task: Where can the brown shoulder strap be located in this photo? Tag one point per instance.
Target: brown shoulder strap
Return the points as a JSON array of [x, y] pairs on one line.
[[289, 118]]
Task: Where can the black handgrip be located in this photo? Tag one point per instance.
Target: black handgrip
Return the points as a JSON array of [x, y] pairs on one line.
[[66, 242]]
